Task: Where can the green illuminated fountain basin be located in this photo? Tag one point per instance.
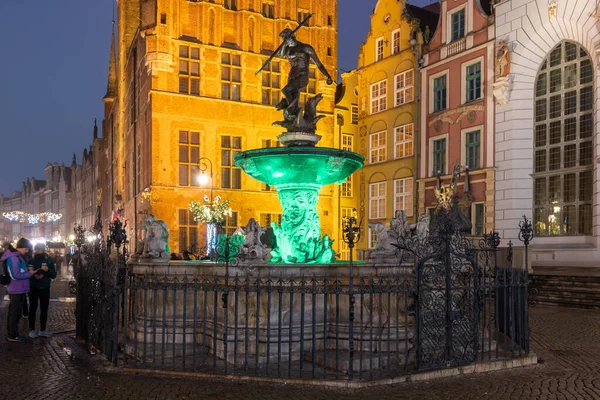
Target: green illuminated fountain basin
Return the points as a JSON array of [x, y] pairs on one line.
[[298, 173]]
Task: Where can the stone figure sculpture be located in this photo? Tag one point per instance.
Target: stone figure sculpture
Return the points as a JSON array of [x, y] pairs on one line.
[[252, 248], [156, 242], [385, 251], [299, 55], [502, 59]]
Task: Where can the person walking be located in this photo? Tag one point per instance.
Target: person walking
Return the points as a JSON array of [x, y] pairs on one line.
[[39, 288], [18, 287]]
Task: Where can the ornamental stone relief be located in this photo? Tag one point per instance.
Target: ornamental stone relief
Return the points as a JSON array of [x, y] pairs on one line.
[[451, 118]]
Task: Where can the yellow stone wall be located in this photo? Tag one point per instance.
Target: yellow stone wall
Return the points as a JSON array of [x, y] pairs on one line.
[[387, 18], [163, 111], [347, 100]]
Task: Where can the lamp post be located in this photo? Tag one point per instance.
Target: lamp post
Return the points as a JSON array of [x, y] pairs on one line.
[[204, 164], [351, 235]]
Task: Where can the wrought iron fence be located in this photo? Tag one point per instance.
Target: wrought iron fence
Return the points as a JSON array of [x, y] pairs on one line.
[[462, 304]]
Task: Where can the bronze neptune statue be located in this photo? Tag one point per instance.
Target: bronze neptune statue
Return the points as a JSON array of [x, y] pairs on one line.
[[299, 56]]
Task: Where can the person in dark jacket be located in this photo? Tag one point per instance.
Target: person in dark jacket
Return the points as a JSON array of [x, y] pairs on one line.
[[18, 287], [39, 288]]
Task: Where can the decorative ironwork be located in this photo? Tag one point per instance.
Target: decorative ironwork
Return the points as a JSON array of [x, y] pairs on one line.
[[525, 231]]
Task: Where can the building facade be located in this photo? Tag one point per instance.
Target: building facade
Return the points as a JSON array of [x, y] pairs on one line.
[[457, 111], [183, 98], [387, 106], [546, 128], [346, 125]]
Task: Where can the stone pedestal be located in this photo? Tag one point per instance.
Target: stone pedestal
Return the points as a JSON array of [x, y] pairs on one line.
[[278, 325]]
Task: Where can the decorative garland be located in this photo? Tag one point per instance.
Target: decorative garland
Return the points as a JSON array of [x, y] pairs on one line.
[[212, 214], [20, 216]]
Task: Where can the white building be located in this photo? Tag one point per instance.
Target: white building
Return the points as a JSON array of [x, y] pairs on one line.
[[546, 131]]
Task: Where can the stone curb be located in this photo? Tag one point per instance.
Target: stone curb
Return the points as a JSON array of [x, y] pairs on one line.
[[481, 367]]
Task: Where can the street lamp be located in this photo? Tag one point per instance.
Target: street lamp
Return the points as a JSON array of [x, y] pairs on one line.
[[351, 235], [204, 164]]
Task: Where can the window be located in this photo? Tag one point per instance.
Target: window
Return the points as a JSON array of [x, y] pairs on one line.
[[477, 219], [231, 223], [268, 9], [563, 143], [354, 115], [378, 96], [329, 20], [347, 185], [271, 83], [396, 41], [403, 141], [231, 176], [439, 156], [472, 149], [377, 200], [189, 70], [266, 144], [230, 4], [188, 230], [346, 212], [439, 93], [231, 76], [302, 15], [458, 25], [163, 18], [404, 88], [311, 88], [377, 147], [379, 49], [189, 154], [267, 218], [403, 195], [473, 82]]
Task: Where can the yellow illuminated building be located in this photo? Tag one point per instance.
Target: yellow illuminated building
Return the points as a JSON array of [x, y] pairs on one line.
[[184, 88], [387, 122], [346, 110]]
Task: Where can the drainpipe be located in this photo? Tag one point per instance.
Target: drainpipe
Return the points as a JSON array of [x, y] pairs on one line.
[[415, 49]]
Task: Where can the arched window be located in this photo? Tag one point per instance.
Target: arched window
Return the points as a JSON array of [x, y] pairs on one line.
[[563, 143]]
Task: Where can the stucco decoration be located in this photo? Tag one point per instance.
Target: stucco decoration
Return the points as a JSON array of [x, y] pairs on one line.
[[156, 243], [454, 116], [552, 9], [501, 90]]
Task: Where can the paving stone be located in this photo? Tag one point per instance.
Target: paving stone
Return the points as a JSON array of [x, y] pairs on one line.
[[58, 368]]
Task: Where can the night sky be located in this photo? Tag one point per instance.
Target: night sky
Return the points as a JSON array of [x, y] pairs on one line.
[[54, 71]]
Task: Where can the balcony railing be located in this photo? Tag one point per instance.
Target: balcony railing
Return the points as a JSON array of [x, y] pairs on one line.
[[457, 46]]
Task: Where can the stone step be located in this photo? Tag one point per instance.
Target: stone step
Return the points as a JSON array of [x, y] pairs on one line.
[[567, 291]]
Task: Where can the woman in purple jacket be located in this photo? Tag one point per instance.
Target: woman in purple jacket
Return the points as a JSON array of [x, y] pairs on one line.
[[18, 286]]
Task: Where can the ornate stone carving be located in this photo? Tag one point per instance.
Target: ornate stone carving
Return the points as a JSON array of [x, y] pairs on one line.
[[502, 59], [299, 235], [501, 90], [253, 250], [156, 242], [460, 113], [438, 125], [471, 116]]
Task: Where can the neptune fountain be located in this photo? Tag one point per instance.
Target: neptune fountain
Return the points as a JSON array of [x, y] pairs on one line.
[[299, 169]]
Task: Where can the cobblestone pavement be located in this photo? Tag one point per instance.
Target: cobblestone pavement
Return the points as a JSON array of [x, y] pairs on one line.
[[565, 339]]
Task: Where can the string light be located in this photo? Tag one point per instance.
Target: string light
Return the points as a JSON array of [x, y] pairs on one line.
[[20, 216]]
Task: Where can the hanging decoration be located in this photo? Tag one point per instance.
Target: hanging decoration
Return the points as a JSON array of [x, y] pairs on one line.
[[20, 216], [213, 213]]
